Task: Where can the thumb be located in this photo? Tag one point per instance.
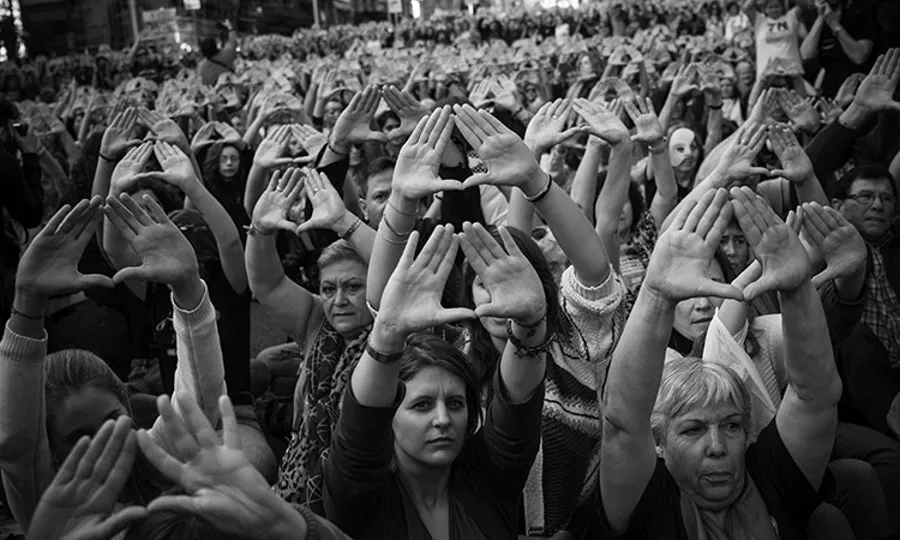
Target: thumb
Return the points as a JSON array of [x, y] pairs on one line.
[[777, 172], [449, 185], [490, 310], [477, 180], [306, 226], [137, 273], [94, 280], [119, 521], [376, 136], [759, 170], [284, 161], [453, 315], [822, 277], [720, 290], [757, 288]]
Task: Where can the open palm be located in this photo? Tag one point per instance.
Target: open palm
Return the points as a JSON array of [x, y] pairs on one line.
[[737, 161], [679, 264], [49, 267], [796, 165], [118, 137], [328, 208], [513, 284], [840, 244], [509, 160], [548, 127], [601, 121], [271, 211], [416, 172], [877, 90], [785, 264], [412, 297], [166, 255]]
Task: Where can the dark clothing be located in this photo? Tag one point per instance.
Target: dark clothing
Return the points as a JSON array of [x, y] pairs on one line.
[[788, 495], [22, 197], [859, 20], [367, 500]]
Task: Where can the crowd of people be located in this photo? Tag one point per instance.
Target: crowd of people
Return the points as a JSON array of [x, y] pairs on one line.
[[630, 270]]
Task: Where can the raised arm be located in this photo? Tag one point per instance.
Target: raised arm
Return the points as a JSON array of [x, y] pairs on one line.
[[796, 165], [415, 177], [48, 268], [678, 270], [269, 154], [856, 48], [291, 306], [510, 162], [807, 417], [179, 172], [651, 135]]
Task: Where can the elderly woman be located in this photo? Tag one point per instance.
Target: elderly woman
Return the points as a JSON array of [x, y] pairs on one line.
[[680, 464], [331, 327]]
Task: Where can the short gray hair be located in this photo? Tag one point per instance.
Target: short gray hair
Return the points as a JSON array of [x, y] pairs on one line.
[[339, 251], [693, 383]]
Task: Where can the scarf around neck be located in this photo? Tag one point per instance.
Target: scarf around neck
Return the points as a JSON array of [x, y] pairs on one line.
[[746, 519]]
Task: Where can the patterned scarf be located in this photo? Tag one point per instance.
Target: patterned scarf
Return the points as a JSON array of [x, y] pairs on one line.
[[746, 519], [323, 378]]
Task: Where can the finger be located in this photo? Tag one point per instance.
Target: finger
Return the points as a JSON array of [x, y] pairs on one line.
[[682, 212], [454, 315], [135, 209], [473, 121], [416, 135], [120, 521], [409, 252], [430, 250], [476, 261], [175, 429], [121, 218], [509, 243], [70, 466], [712, 213], [73, 217], [112, 450], [474, 140], [98, 443], [720, 290], [445, 136], [170, 467], [196, 421], [181, 504], [449, 259], [742, 211], [437, 131], [54, 222], [493, 122], [697, 213], [157, 213], [632, 111], [477, 180], [440, 254], [478, 243], [231, 437]]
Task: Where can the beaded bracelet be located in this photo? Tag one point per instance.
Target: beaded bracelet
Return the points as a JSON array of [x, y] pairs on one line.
[[352, 229], [523, 350]]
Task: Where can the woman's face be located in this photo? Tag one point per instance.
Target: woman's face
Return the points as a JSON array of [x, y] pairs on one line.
[[744, 73], [390, 124], [355, 155], [684, 150], [333, 110], [585, 66], [237, 122], [704, 452], [342, 286], [727, 85], [81, 413], [774, 9], [692, 316], [229, 162], [430, 424]]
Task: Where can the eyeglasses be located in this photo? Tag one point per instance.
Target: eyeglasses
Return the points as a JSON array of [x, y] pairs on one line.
[[866, 198]]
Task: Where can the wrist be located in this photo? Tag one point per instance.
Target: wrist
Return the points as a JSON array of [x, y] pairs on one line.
[[188, 292], [855, 116], [343, 223], [29, 302], [385, 337], [402, 203]]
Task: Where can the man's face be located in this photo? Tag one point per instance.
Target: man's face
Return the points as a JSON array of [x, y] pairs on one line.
[[377, 193], [869, 206]]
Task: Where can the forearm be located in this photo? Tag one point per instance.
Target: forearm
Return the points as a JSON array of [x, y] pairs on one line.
[[256, 184], [733, 313], [310, 101], [665, 115], [521, 373], [809, 49], [264, 270], [808, 358], [84, 126], [856, 50], [251, 136], [714, 122], [388, 246], [584, 186], [521, 213], [374, 383], [228, 239], [637, 363], [666, 196]]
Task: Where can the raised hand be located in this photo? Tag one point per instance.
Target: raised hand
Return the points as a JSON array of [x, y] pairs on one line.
[[679, 264], [795, 163], [328, 207], [684, 82], [785, 264], [119, 136], [129, 169], [649, 129], [310, 138], [877, 89], [164, 128], [416, 172], [848, 89], [353, 124], [408, 108], [510, 280], [412, 297], [839, 243], [509, 160], [800, 111], [177, 167], [548, 127], [711, 87], [272, 149], [766, 104], [166, 255], [830, 110], [222, 486], [49, 267], [79, 504], [505, 93], [479, 94], [601, 121], [271, 211], [737, 161]]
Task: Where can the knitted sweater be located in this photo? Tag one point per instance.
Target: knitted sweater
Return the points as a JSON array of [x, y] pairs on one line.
[[24, 449], [564, 472]]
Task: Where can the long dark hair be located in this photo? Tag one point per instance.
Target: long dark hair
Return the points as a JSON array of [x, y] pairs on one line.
[[209, 166], [424, 350], [482, 349]]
